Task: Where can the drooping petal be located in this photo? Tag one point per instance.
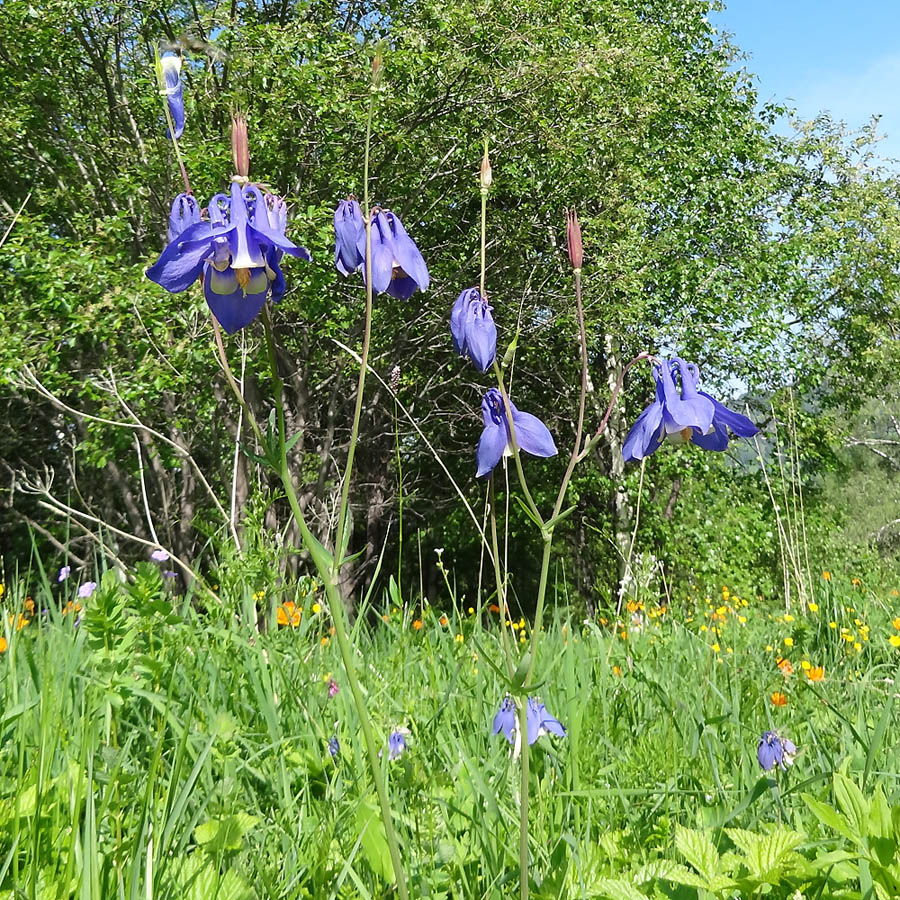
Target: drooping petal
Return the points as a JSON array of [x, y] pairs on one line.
[[458, 319], [505, 720], [481, 335], [171, 69], [491, 447], [407, 253], [275, 275], [717, 439], [533, 720], [382, 253], [551, 724], [348, 229], [401, 286], [646, 434], [735, 421], [233, 308], [532, 435], [185, 212], [181, 263]]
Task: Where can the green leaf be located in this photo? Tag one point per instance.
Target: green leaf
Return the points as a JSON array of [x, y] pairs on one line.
[[227, 833], [616, 889], [698, 850], [851, 803], [830, 817], [370, 830]]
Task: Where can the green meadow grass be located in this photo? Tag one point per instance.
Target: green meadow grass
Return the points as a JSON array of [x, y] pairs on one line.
[[158, 751]]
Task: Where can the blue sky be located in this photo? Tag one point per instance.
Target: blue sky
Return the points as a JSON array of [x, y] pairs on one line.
[[836, 55]]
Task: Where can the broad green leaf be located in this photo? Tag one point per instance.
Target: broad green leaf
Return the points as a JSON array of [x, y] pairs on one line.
[[370, 830], [698, 850]]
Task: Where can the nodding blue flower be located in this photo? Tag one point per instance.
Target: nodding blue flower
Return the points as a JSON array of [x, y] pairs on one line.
[[86, 589], [159, 555], [532, 435], [63, 573], [538, 722], [473, 329], [174, 92], [505, 720], [349, 234], [398, 267], [397, 743], [691, 415], [237, 250], [774, 750], [334, 746]]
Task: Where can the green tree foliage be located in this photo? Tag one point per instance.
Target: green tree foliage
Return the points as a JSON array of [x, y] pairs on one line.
[[771, 261]]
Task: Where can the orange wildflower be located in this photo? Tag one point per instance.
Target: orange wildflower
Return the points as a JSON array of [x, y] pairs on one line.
[[288, 614], [786, 667], [3, 644], [826, 575], [443, 620], [494, 608], [816, 673], [417, 624], [778, 698]]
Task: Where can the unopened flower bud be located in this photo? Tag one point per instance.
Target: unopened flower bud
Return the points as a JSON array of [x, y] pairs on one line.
[[573, 239], [377, 64], [240, 147], [486, 177]]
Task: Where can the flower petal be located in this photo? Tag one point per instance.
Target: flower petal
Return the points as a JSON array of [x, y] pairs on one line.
[[171, 68], [532, 435], [382, 254], [738, 423], [407, 253], [458, 318], [490, 448], [181, 263], [481, 335], [233, 308]]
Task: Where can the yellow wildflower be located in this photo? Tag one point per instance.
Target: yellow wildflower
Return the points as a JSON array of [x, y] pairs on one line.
[[788, 642], [813, 607], [894, 640]]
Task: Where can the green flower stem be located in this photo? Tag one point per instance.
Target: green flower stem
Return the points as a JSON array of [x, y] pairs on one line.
[[522, 713], [501, 592], [338, 616], [223, 358], [364, 357]]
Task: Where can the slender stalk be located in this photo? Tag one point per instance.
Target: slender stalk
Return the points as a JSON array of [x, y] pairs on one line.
[[364, 356], [338, 617], [484, 195], [226, 368], [522, 713], [501, 592]]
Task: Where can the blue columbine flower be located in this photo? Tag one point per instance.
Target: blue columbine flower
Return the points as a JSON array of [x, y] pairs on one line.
[[174, 91], [398, 267], [532, 435], [237, 250], [334, 746], [774, 750], [397, 743], [539, 722], [349, 234], [63, 573], [688, 415], [473, 329]]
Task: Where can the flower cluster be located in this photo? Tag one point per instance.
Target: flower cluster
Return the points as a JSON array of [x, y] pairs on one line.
[[539, 722], [688, 415], [237, 249], [397, 265], [774, 750]]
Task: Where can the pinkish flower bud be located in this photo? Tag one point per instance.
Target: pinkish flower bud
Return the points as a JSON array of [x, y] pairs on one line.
[[573, 239], [240, 147], [395, 379], [486, 177]]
